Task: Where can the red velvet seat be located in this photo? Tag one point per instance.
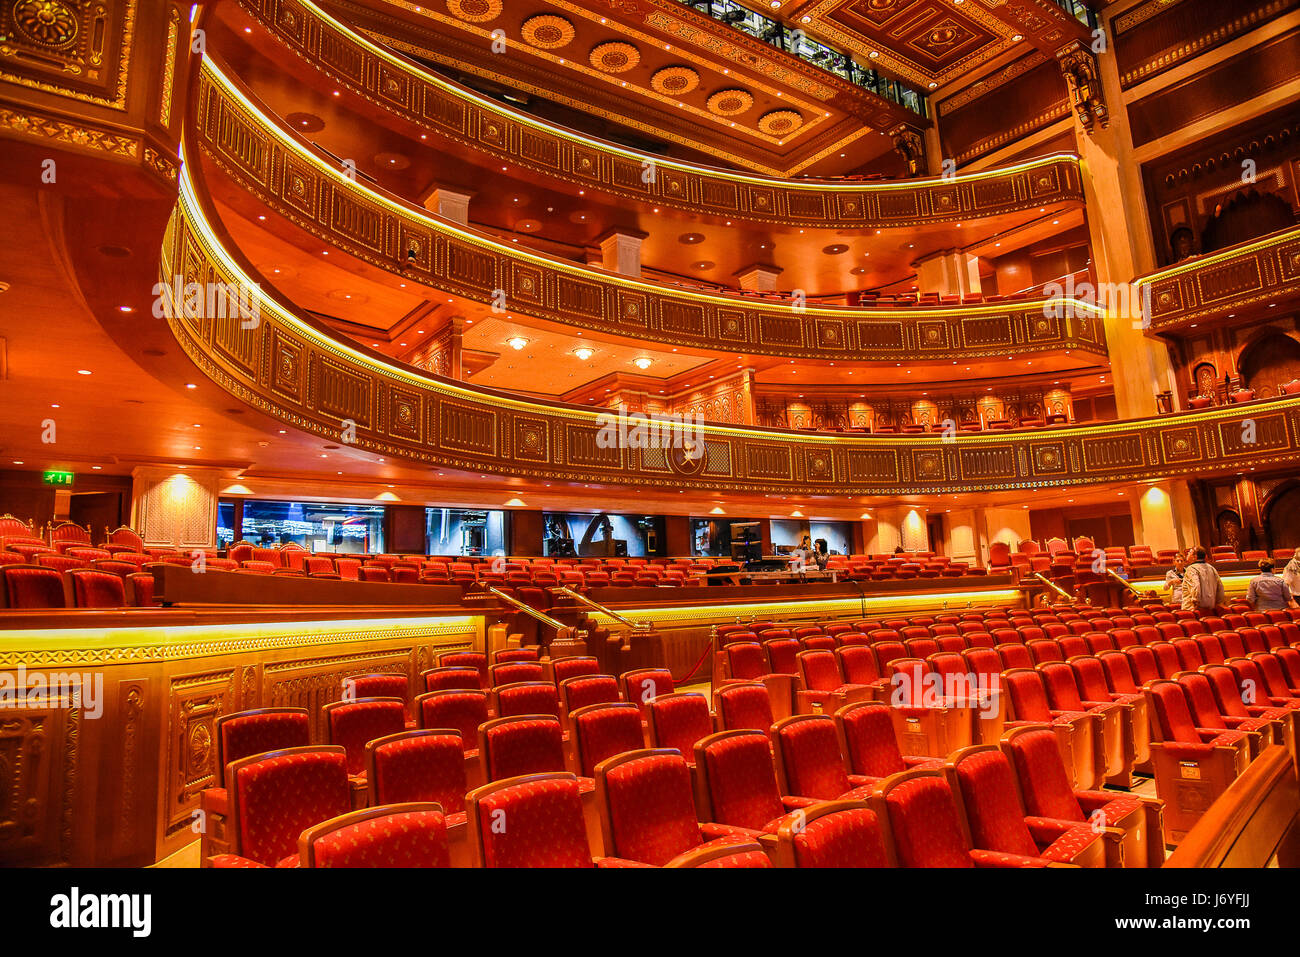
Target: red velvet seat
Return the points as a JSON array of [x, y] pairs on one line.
[[809, 762], [1137, 838], [744, 661], [467, 659], [32, 586], [511, 672], [832, 834], [822, 687], [926, 826], [546, 825], [353, 724], [399, 835], [522, 744], [643, 684], [678, 721], [600, 731], [982, 779], [524, 697], [419, 765], [647, 811], [238, 736], [96, 589], [1081, 740], [461, 711], [573, 666], [586, 690], [506, 655], [1199, 692], [743, 706], [450, 677], [1115, 740], [276, 796], [737, 783]]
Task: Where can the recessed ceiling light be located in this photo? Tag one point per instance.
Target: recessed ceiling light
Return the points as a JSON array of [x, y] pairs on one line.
[[584, 353], [642, 362], [83, 372], [516, 342]]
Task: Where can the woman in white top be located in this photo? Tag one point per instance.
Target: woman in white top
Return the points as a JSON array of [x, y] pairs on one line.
[[1174, 579], [1291, 573]]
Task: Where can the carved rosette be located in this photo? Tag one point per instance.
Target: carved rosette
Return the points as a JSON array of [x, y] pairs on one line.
[[730, 102], [674, 80], [615, 56], [546, 31]]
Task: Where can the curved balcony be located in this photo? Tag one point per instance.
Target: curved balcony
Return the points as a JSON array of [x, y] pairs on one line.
[[1254, 275], [429, 103], [292, 369], [274, 169]]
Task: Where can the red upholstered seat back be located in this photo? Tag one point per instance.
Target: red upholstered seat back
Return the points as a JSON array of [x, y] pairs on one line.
[[97, 589], [379, 686], [679, 720], [742, 780], [526, 697], [510, 672], [461, 711], [988, 793], [1015, 656], [418, 766], [1142, 662], [745, 660], [1211, 649], [1061, 688], [870, 740], [1227, 693], [1119, 672], [546, 827], [30, 586], [1200, 699], [857, 664], [1169, 703], [247, 733], [848, 838], [449, 678], [402, 839], [645, 683], [927, 830], [1090, 675], [524, 745], [651, 808], [583, 690], [356, 723], [1166, 658], [1274, 678], [1028, 696], [809, 749], [604, 730], [820, 670], [1233, 646], [781, 656], [466, 659], [746, 706], [574, 666], [278, 798], [1043, 778]]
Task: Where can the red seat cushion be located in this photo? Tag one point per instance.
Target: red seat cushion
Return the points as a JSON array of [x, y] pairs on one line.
[[409, 839]]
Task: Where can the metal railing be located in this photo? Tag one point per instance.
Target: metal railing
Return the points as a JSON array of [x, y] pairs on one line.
[[561, 629], [607, 612], [1053, 586]]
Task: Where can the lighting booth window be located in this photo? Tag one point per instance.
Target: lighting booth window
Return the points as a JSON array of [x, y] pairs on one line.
[[465, 531], [788, 533], [316, 527], [602, 535]]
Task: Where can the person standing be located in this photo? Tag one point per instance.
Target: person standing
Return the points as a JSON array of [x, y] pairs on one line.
[[1267, 592], [1202, 586], [1291, 574], [1174, 579]]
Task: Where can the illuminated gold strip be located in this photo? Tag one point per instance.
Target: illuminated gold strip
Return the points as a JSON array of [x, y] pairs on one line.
[[1201, 262], [659, 161]]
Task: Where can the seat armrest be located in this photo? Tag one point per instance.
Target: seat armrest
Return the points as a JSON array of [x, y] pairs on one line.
[[616, 862], [231, 861], [711, 831], [999, 859]]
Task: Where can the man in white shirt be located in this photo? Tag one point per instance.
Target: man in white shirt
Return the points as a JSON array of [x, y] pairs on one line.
[[1291, 574], [1202, 586]]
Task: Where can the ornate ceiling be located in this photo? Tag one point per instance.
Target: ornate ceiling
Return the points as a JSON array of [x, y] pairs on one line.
[[930, 43]]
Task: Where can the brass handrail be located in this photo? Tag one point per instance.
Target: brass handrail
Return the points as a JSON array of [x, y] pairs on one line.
[[1053, 586], [608, 612], [561, 629], [1123, 581]]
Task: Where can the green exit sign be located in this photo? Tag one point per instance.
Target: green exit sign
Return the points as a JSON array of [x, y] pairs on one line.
[[59, 478]]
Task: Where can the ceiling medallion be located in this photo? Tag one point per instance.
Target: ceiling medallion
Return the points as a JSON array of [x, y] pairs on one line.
[[674, 80], [47, 22], [615, 56], [780, 122], [547, 31], [474, 11], [730, 102]]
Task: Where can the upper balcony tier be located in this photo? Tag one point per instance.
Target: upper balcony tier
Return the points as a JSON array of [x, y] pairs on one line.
[[1247, 279], [418, 104], [292, 369], [274, 172]]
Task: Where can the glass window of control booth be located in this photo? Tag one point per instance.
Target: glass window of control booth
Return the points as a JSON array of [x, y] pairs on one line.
[[602, 535], [316, 526], [788, 533], [465, 531], [712, 537]]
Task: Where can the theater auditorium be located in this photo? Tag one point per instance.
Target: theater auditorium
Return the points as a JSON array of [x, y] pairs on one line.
[[655, 434]]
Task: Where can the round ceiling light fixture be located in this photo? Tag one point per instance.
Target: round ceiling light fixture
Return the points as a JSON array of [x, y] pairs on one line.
[[516, 342], [584, 353], [643, 362]]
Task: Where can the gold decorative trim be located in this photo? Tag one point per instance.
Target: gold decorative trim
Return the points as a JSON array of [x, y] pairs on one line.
[[40, 127]]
